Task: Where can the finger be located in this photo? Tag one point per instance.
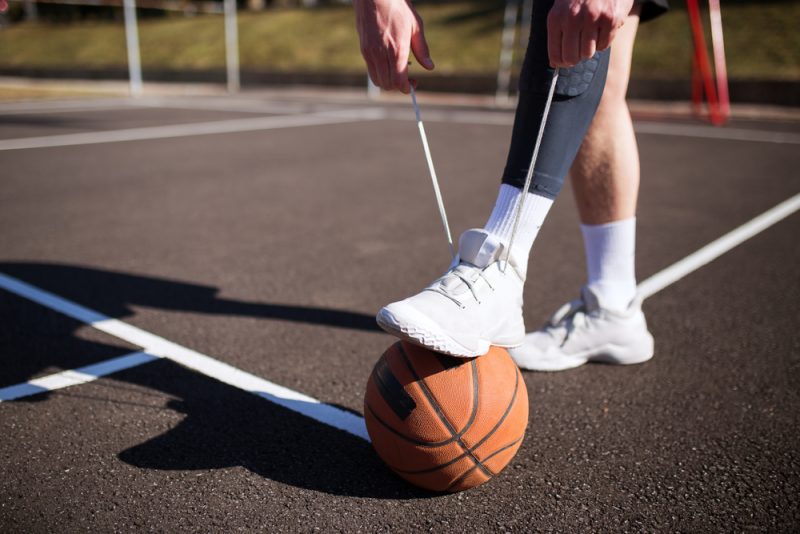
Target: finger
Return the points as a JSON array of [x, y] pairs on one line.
[[381, 72], [388, 62], [570, 48], [419, 46], [366, 53], [373, 75], [588, 42], [400, 69], [603, 37], [553, 41]]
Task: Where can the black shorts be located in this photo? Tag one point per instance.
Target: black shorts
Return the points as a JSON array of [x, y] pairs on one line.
[[652, 8]]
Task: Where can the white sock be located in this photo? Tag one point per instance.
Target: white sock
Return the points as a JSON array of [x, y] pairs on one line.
[[610, 253], [501, 221]]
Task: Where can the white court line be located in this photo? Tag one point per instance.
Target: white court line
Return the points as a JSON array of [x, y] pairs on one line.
[[714, 132], [200, 104], [63, 106], [718, 247], [206, 365], [493, 118], [487, 118], [73, 377], [235, 106], [192, 103], [192, 129], [155, 346]]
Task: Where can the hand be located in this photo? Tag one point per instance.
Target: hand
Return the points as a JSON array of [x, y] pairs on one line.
[[388, 30], [576, 29]]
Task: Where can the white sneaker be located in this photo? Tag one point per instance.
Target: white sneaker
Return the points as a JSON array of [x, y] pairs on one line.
[[472, 306], [582, 331]]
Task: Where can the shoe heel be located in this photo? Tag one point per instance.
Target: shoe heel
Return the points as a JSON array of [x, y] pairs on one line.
[[628, 354]]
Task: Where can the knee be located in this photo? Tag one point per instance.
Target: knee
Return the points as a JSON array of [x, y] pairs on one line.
[[619, 70], [616, 88]]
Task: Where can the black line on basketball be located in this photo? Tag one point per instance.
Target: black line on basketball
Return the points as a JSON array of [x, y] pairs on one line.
[[475, 392], [392, 390], [435, 405], [399, 434], [431, 469], [505, 413], [481, 442], [462, 477], [471, 469], [504, 448]]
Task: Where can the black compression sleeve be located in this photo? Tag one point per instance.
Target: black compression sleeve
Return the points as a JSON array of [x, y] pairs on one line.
[[577, 96]]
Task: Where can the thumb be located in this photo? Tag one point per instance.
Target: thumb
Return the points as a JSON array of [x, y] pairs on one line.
[[420, 47]]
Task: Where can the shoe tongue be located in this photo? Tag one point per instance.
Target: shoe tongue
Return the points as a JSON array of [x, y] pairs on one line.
[[479, 248]]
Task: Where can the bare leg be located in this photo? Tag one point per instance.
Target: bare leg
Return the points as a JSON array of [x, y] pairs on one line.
[[605, 173], [605, 178]]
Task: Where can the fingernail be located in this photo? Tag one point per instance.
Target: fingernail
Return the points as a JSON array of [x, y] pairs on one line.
[[429, 63]]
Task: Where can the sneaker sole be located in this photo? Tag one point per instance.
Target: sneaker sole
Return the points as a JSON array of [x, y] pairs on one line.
[[424, 332], [609, 353]]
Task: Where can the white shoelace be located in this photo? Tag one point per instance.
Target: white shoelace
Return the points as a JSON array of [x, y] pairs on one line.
[[566, 320], [463, 273], [528, 178], [432, 171]]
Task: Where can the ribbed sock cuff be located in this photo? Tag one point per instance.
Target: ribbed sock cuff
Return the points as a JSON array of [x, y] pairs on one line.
[[610, 261], [501, 221]]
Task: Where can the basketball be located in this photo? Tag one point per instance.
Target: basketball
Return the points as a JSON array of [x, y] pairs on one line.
[[444, 423]]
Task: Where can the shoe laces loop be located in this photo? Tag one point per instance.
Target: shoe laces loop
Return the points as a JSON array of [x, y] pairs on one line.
[[565, 312], [566, 320], [446, 294], [466, 274], [469, 284]]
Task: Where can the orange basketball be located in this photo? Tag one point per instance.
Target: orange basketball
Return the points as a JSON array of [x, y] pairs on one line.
[[443, 423]]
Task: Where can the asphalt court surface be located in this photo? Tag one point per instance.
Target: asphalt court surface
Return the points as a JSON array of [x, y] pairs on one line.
[[37, 124], [271, 250]]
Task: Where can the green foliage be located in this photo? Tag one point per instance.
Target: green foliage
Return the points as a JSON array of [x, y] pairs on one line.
[[761, 41]]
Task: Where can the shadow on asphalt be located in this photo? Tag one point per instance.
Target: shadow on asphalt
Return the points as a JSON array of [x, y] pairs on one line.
[[223, 426], [112, 293], [226, 427]]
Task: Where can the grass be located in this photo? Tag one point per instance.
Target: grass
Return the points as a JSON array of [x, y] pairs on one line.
[[761, 40]]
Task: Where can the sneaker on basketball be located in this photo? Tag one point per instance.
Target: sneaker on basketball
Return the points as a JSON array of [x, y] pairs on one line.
[[583, 331], [475, 304]]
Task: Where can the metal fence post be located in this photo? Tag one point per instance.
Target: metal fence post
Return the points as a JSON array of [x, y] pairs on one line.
[[232, 46], [502, 96], [132, 41]]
